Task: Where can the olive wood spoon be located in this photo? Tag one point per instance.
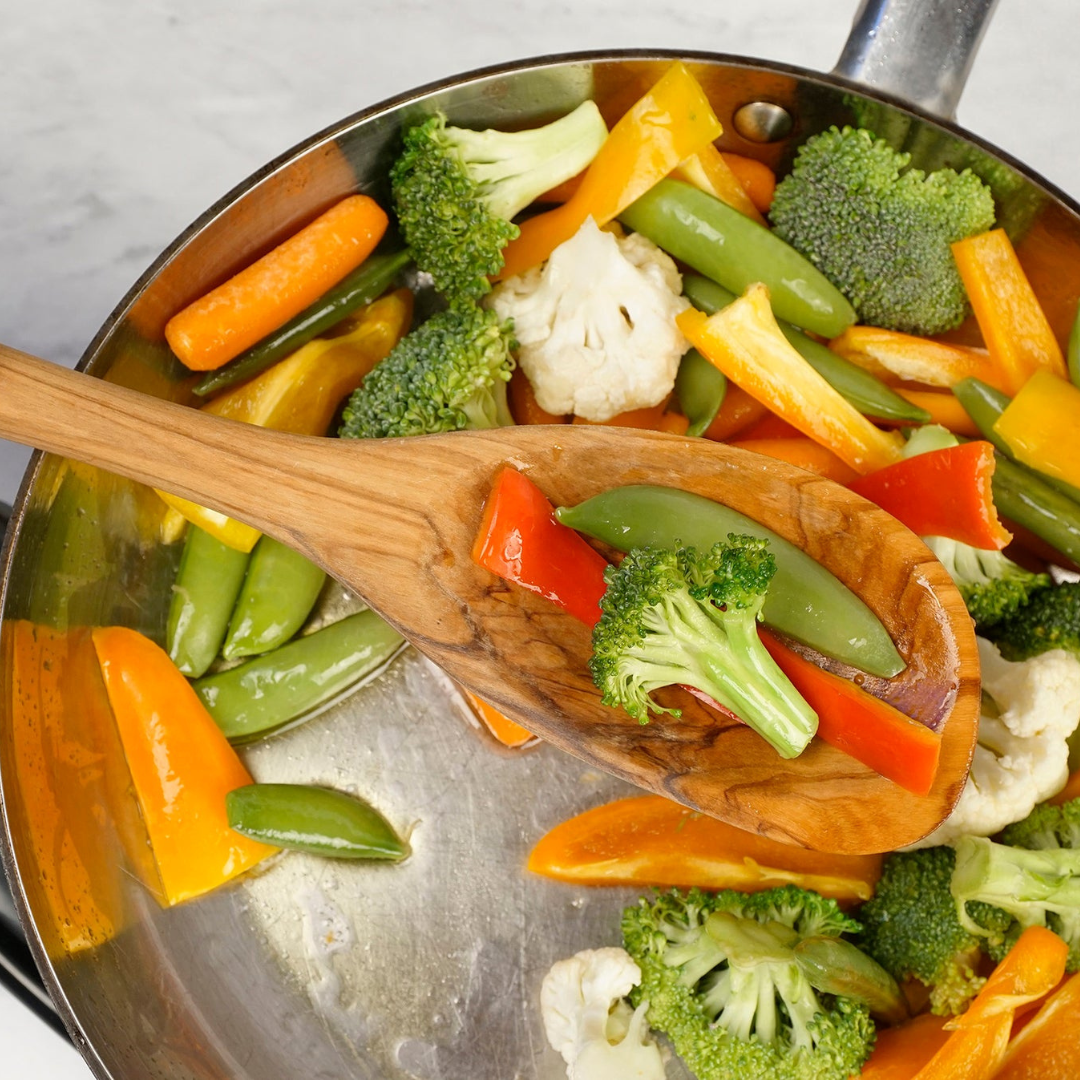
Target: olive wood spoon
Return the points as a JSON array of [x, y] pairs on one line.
[[395, 520]]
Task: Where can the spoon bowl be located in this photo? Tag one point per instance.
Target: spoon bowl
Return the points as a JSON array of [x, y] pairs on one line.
[[395, 520]]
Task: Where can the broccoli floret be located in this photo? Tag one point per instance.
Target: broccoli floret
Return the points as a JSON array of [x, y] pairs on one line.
[[992, 586], [456, 190], [447, 375], [1033, 876], [682, 617], [1049, 620], [723, 983], [912, 929], [881, 231]]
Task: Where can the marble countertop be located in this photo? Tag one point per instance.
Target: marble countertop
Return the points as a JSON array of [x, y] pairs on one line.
[[121, 122]]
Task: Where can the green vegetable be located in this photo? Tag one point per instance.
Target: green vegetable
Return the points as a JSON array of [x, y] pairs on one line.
[[366, 283], [835, 966], [1037, 885], [690, 618], [1049, 620], [1022, 496], [455, 190], [993, 587], [1072, 352], [313, 819], [881, 231], [723, 983], [868, 394], [804, 600], [279, 591], [911, 928], [448, 374], [700, 388], [264, 694], [736, 252], [208, 582]]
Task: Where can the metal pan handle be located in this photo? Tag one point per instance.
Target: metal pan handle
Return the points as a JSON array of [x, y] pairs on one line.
[[918, 50]]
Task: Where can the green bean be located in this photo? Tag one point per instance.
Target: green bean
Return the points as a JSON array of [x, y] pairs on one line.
[[835, 966], [804, 600], [207, 585], [261, 696], [279, 591], [700, 388], [317, 820], [865, 392], [366, 283], [1026, 498], [736, 252]]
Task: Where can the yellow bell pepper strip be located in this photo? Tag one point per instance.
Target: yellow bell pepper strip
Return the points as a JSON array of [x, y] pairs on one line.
[[709, 171], [1048, 1046], [182, 766], [893, 356], [1012, 321], [745, 343], [671, 122], [219, 326], [302, 393], [1041, 427]]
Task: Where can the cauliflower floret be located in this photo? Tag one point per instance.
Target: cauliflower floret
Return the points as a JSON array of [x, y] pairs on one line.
[[1022, 755], [589, 1023], [596, 324]]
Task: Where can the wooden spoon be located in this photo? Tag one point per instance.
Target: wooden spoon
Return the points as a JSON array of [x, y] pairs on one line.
[[395, 520]]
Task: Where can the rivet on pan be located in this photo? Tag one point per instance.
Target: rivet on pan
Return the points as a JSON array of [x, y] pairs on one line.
[[763, 122]]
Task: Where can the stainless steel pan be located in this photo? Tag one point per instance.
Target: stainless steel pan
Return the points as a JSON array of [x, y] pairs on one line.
[[430, 970]]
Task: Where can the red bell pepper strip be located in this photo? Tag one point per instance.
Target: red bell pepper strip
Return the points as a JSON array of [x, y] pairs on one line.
[[941, 493], [864, 727], [521, 542]]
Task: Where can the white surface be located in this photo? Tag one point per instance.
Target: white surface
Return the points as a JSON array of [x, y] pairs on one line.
[[120, 122]]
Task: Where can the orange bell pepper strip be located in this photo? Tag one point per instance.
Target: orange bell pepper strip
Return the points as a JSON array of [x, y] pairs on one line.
[[673, 120], [520, 541], [709, 171], [216, 328], [757, 179], [862, 726], [301, 394], [182, 766], [1048, 1047], [1070, 791], [738, 412], [650, 840], [941, 493], [1012, 321], [1041, 427], [901, 1051], [745, 343], [651, 418], [944, 409], [980, 1037], [501, 728], [805, 453]]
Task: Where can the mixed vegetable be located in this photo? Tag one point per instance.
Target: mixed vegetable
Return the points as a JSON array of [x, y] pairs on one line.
[[641, 277]]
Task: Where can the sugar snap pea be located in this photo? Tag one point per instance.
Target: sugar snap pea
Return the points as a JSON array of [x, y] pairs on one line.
[[366, 283], [317, 820], [700, 388], [734, 251], [804, 600], [208, 582], [868, 394], [263, 695], [280, 589]]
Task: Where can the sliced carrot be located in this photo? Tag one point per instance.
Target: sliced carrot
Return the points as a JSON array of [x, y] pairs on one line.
[[738, 412], [1048, 1047], [673, 120], [1010, 317], [944, 409], [709, 171], [757, 179], [1070, 791], [221, 325], [674, 423], [524, 407], [650, 840], [501, 728], [648, 418], [771, 426], [899, 1052], [861, 725], [803, 452]]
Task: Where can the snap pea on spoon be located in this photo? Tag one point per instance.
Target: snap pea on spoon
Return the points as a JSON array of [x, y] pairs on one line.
[[395, 519]]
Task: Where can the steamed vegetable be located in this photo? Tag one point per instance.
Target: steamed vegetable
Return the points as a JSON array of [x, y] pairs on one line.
[[1048, 619]]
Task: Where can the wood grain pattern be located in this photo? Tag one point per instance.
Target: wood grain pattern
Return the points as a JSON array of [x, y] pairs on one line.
[[395, 520]]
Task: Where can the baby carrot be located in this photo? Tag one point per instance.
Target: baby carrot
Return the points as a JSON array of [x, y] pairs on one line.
[[757, 179], [213, 330]]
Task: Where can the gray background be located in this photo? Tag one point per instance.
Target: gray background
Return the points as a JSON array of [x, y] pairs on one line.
[[121, 120]]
